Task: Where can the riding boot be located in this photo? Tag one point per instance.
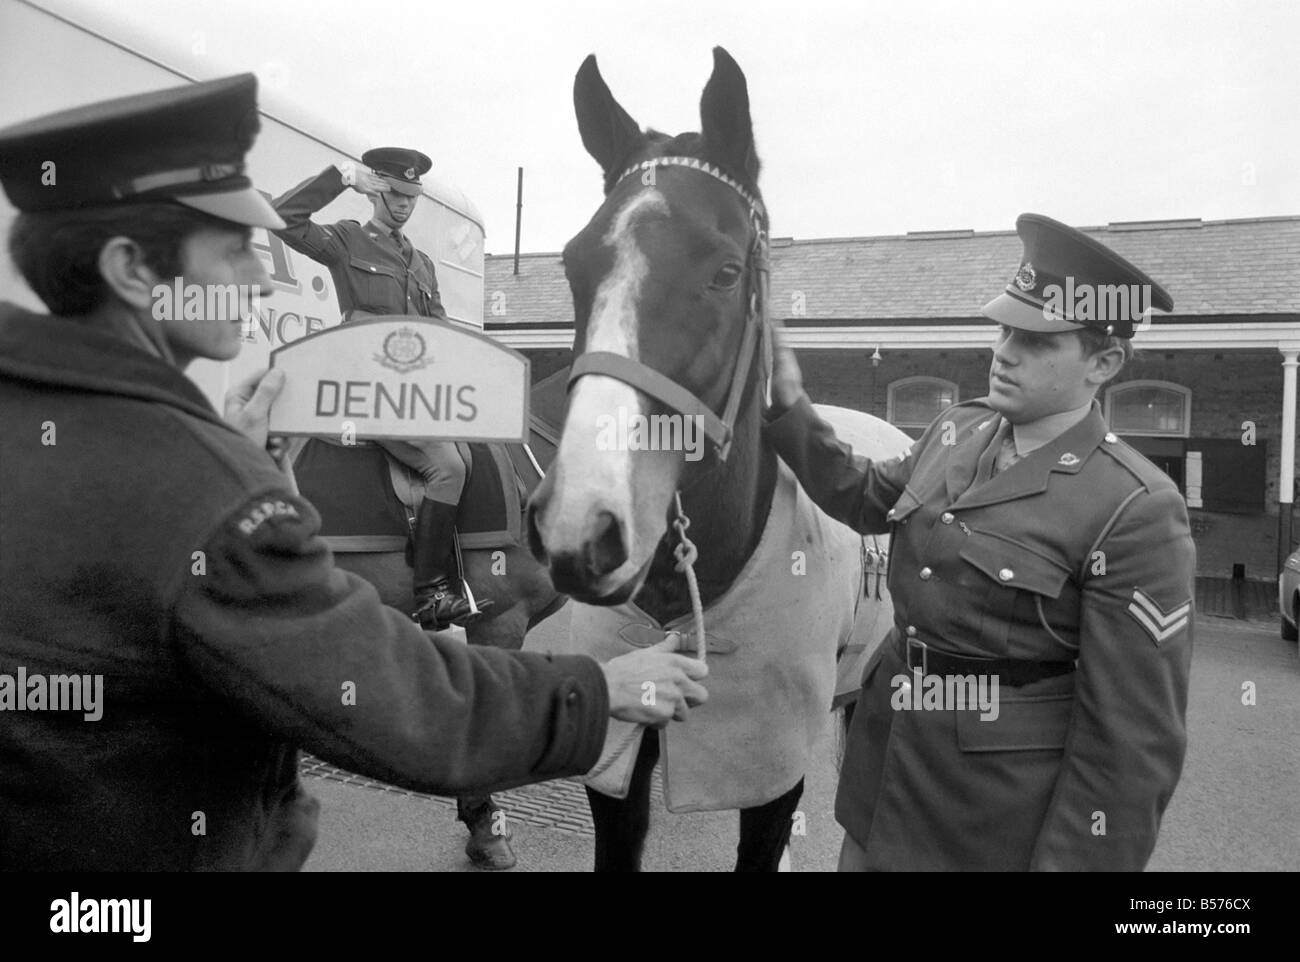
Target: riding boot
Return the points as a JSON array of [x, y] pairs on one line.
[[438, 601]]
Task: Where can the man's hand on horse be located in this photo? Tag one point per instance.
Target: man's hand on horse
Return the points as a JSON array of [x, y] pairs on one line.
[[787, 378], [653, 686], [248, 404]]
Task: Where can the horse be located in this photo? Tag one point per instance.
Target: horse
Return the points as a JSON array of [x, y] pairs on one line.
[[512, 589], [669, 287]]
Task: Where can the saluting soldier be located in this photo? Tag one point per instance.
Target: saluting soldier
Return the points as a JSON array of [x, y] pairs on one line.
[[152, 545], [377, 270], [1031, 546]]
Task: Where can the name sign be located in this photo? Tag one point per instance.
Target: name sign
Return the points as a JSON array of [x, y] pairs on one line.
[[405, 378]]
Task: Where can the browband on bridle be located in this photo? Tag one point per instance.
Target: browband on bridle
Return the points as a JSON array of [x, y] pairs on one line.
[[662, 388]]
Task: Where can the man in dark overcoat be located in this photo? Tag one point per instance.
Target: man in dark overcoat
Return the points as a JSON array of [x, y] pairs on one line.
[[173, 629]]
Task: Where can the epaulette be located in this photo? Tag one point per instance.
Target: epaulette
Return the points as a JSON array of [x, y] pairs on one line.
[[1147, 474]]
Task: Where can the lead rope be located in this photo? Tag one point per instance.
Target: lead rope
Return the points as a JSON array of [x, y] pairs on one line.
[[686, 553]]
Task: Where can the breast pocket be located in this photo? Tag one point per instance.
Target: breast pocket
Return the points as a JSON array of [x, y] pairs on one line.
[[1009, 581], [377, 287], [422, 286]]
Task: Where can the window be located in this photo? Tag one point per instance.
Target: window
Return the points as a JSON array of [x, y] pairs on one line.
[[1149, 409], [914, 402]]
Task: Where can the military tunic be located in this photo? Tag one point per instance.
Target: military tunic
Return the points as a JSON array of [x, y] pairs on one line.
[[148, 542], [1079, 551], [370, 272]]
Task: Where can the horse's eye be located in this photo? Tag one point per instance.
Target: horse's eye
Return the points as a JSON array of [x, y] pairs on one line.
[[726, 277]]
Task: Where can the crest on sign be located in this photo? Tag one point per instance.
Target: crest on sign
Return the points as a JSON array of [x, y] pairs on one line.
[[404, 351]]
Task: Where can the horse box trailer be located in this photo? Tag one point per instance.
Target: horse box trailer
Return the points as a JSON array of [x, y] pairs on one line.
[[67, 54]]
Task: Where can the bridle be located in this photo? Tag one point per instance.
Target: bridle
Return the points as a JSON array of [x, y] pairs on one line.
[[717, 428]]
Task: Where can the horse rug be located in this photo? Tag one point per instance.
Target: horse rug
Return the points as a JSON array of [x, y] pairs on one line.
[[772, 643]]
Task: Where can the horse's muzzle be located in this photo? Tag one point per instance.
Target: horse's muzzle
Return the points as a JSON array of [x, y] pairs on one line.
[[583, 561]]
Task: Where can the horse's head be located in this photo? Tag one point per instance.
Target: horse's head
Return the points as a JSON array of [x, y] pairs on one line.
[[663, 275]]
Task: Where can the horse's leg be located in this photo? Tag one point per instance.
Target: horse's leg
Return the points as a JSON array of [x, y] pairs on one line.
[[765, 832], [623, 823]]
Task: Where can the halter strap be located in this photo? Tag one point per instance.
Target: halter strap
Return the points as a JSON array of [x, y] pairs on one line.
[[662, 388]]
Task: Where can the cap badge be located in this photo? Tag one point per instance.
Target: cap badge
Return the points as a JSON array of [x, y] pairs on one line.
[[404, 351], [1026, 277], [410, 173], [1068, 460]]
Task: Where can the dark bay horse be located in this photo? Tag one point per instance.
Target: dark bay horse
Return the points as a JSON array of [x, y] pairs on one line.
[[668, 282]]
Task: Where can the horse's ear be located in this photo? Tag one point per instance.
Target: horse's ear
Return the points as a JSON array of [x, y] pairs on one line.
[[608, 132], [724, 116]]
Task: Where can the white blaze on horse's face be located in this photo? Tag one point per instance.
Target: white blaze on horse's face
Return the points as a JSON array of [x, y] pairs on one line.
[[595, 487]]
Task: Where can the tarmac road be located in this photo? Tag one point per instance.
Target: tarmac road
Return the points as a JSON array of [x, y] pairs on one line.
[[1236, 808]]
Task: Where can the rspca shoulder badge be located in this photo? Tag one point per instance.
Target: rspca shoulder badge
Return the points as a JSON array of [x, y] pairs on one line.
[[1158, 623]]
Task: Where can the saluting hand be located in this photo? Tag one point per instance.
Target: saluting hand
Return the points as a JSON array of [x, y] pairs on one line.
[[248, 404], [653, 686], [363, 180], [787, 378]]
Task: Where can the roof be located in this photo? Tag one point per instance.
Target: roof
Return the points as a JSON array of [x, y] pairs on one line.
[[1211, 268]]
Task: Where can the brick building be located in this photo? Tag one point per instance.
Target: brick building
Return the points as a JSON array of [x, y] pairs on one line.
[[891, 325]]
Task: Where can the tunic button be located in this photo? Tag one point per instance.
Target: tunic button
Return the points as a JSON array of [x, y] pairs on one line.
[[911, 631], [1111, 438], [1006, 574], [946, 517], [372, 270], [925, 574], [572, 697], [889, 516]]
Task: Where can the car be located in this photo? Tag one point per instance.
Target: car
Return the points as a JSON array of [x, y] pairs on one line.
[[1288, 596]]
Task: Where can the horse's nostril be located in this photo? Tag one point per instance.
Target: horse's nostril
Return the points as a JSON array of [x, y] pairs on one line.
[[605, 550]]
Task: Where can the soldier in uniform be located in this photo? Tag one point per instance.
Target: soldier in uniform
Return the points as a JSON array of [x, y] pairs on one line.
[[1034, 548], [173, 628], [376, 270]]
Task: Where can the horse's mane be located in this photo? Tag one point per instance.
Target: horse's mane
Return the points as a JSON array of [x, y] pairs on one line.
[[658, 144]]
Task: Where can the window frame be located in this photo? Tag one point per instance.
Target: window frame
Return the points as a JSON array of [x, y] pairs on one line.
[[1119, 389], [942, 383]]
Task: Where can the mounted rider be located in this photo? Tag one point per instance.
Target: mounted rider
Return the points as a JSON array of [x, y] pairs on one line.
[[377, 270]]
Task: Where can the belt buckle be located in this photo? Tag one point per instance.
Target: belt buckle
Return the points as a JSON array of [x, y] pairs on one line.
[[917, 643]]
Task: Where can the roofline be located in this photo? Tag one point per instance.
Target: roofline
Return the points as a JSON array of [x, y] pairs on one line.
[[1242, 336], [439, 191], [1114, 227], [940, 320]]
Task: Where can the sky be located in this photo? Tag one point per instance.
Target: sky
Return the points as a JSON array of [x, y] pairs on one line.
[[870, 118]]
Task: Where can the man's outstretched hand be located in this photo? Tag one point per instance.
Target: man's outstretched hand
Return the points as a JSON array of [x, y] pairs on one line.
[[653, 686]]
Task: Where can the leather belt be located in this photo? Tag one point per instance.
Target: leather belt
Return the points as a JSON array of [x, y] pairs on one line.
[[1010, 671]]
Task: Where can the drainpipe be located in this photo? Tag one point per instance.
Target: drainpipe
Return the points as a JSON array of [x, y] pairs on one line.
[[1286, 473]]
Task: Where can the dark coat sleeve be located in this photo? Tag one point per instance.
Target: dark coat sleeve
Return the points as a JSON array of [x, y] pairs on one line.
[[1127, 737], [853, 490], [309, 653], [322, 244]]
